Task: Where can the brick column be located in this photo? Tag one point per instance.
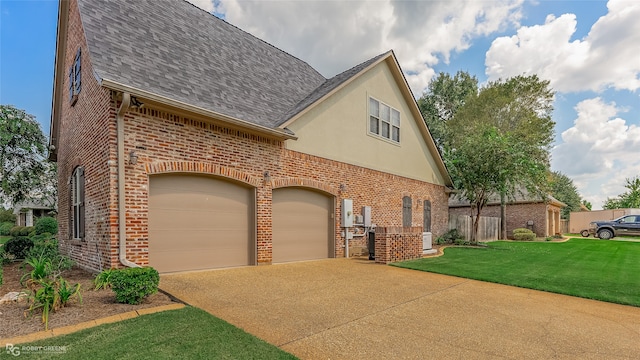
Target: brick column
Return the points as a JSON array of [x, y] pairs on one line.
[[264, 236]]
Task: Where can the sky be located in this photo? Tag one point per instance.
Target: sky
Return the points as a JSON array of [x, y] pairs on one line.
[[588, 50]]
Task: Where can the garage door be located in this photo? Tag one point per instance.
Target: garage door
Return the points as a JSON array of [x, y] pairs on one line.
[[198, 222], [302, 225]]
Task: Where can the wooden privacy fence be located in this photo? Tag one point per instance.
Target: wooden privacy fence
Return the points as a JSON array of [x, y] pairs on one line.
[[564, 226], [488, 228]]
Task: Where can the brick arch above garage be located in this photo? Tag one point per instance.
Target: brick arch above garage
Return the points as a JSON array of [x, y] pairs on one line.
[[305, 183], [201, 168]]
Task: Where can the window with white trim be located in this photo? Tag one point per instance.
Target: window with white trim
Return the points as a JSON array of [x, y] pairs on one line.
[[76, 202], [384, 121], [75, 78]]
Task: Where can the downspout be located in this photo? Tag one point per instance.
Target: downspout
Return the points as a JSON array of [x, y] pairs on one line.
[[122, 235]]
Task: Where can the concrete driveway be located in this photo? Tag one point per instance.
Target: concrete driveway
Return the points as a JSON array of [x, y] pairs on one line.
[[355, 309]]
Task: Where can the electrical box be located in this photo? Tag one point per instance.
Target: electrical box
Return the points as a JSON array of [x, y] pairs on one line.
[[347, 213], [358, 219], [366, 215]]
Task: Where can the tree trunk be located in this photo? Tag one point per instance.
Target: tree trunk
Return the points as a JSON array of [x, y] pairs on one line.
[[476, 224], [503, 217]]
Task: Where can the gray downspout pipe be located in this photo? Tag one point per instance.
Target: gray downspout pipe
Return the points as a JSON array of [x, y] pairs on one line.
[[122, 235]]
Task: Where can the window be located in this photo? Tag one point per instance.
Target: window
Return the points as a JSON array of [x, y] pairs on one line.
[[75, 79], [384, 120], [406, 211], [76, 208], [426, 226]]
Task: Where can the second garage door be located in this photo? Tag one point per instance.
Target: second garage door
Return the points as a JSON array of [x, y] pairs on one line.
[[302, 225], [198, 222]]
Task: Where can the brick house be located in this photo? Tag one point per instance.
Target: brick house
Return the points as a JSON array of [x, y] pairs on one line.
[[185, 143], [542, 216]]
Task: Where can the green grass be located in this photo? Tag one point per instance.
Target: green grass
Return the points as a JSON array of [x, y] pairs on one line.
[[188, 333], [595, 269]]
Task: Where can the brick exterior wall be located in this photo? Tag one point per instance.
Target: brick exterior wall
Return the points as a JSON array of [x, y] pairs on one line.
[[168, 142], [396, 243], [518, 215], [87, 138]]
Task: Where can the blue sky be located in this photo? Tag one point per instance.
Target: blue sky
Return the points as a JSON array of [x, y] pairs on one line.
[[589, 50]]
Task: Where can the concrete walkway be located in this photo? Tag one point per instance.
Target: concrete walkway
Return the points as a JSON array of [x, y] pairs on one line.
[[355, 309]]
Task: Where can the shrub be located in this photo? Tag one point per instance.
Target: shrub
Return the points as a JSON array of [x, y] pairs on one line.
[[131, 285], [5, 228], [7, 215], [46, 225], [523, 235], [45, 246], [20, 231], [449, 237], [18, 246], [521, 231], [15, 231]]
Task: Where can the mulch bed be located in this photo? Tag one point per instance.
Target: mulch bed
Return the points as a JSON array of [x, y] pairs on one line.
[[95, 304]]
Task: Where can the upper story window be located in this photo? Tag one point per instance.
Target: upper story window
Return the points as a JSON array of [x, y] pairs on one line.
[[75, 77], [384, 120]]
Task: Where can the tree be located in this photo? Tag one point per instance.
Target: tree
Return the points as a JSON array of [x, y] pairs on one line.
[[626, 200], [444, 96], [498, 142], [25, 174], [586, 204], [563, 189], [6, 215]]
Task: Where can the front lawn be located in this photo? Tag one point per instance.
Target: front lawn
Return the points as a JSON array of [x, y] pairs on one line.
[[595, 269], [188, 333]]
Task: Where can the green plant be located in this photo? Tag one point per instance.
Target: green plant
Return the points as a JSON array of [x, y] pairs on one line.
[[522, 234], [46, 225], [449, 237], [45, 296], [66, 292], [45, 246], [5, 228], [0, 274], [40, 269], [131, 285], [548, 238], [521, 231], [15, 231], [51, 294], [18, 246], [103, 279]]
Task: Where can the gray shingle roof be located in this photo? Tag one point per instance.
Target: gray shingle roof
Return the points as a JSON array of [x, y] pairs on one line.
[[175, 50], [328, 86]]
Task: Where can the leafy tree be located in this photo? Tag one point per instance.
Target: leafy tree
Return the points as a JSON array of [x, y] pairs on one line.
[[586, 204], [628, 199], [7, 215], [563, 189], [25, 174], [498, 141], [442, 99]]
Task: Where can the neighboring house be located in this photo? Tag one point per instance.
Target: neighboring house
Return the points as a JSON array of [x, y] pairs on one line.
[[27, 212], [542, 216], [186, 143]]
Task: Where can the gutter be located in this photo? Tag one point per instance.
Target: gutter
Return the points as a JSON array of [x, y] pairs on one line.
[[282, 134], [122, 235]]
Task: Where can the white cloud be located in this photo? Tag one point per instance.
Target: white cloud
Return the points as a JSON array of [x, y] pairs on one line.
[[607, 57], [336, 35], [206, 5], [599, 151]]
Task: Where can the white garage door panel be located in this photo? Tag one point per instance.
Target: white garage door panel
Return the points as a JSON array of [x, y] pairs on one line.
[[199, 223], [302, 225]]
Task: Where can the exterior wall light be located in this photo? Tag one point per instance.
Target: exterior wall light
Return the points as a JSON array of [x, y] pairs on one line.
[[267, 177], [133, 158]]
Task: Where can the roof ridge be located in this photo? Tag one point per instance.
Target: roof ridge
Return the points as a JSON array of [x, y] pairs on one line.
[[250, 34]]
